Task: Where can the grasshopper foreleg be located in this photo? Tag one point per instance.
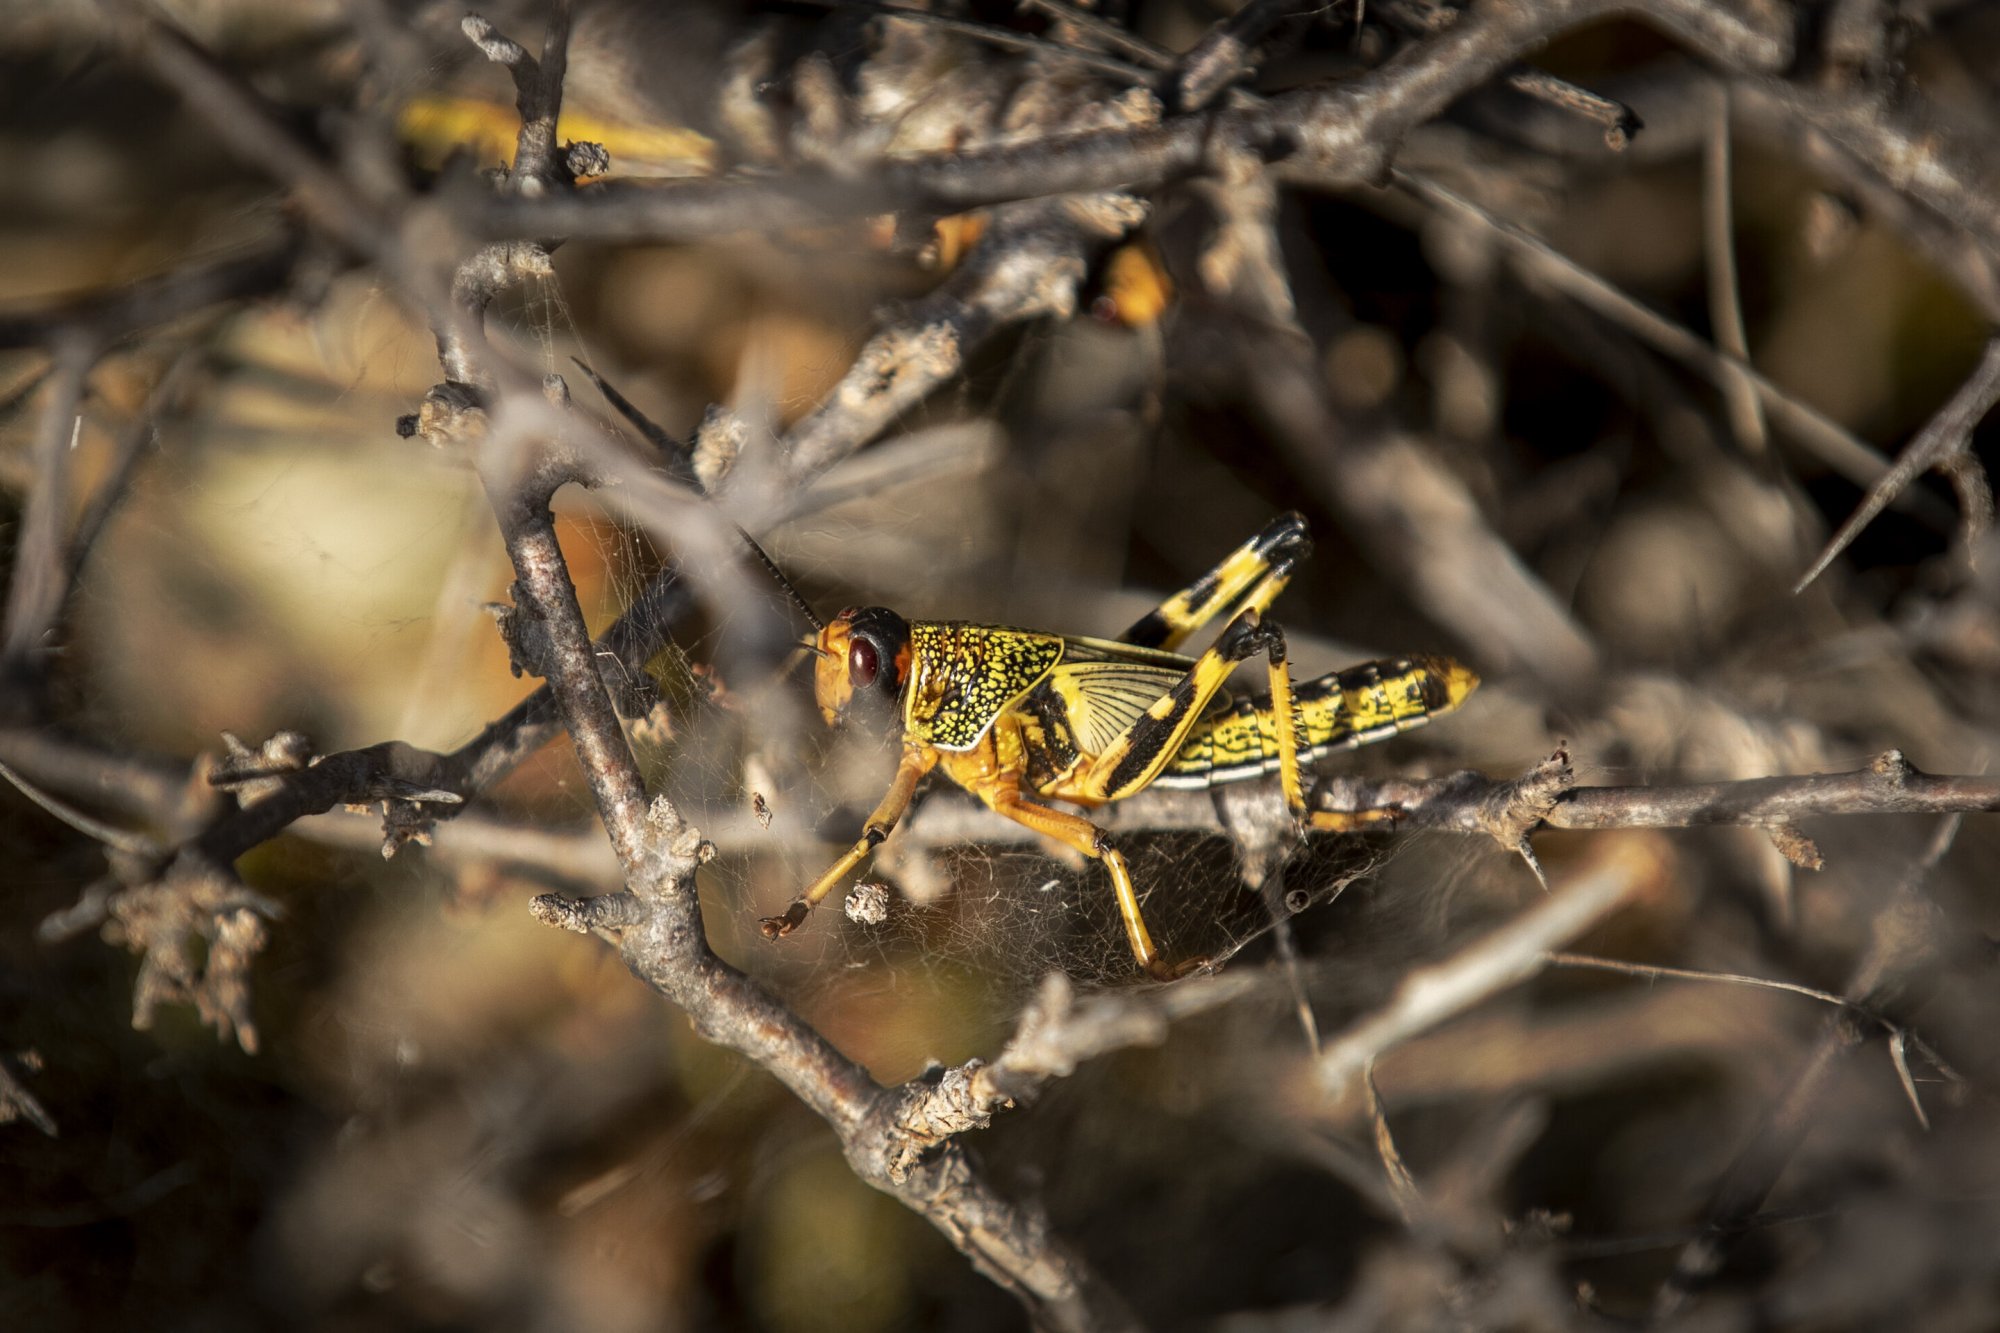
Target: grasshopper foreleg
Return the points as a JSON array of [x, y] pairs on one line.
[[917, 761]]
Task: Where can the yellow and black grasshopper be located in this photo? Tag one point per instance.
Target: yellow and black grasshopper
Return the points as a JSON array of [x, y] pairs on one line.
[[1013, 714]]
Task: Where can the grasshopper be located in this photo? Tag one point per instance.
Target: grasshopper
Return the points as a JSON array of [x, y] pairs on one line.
[[1015, 714]]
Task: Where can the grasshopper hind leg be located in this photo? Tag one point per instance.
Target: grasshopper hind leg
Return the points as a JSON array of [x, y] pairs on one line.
[[1077, 832], [1283, 542]]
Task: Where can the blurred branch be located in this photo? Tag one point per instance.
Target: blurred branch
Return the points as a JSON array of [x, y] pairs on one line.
[[1725, 297], [1907, 939], [1500, 959], [1953, 175], [1227, 51], [1836, 446], [1342, 133], [142, 433], [1005, 39], [108, 317], [1111, 36], [16, 1102], [1415, 519], [1027, 265], [246, 123], [36, 589], [1618, 122]]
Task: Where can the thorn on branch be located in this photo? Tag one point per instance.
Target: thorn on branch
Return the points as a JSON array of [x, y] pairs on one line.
[[1515, 809], [1944, 443]]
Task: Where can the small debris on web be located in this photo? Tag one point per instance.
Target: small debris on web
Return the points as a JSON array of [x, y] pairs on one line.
[[868, 904], [586, 159], [762, 810]]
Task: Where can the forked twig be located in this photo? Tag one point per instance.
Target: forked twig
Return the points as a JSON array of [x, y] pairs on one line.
[[1945, 443]]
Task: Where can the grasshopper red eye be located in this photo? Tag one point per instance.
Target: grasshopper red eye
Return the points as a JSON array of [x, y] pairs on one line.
[[863, 662]]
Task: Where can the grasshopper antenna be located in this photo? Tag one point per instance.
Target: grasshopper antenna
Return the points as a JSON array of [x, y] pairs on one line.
[[680, 465], [778, 575]]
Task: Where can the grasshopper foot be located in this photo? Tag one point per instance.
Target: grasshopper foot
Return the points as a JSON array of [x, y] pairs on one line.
[[1161, 970], [776, 927]]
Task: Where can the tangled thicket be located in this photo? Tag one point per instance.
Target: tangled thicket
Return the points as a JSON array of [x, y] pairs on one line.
[[1632, 351]]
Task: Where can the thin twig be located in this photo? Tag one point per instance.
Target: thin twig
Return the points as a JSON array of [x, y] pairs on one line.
[[1899, 1036], [1498, 960], [37, 589], [1944, 443], [1725, 302], [1831, 442], [1102, 30], [109, 316], [16, 1102], [1900, 957]]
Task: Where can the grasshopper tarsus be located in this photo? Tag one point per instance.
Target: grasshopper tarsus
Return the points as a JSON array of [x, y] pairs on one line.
[[777, 927]]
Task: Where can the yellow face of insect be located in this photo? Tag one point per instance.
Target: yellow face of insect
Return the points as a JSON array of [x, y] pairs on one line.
[[832, 686], [860, 650]]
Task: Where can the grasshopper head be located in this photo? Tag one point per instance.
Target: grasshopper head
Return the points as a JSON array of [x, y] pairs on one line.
[[862, 651]]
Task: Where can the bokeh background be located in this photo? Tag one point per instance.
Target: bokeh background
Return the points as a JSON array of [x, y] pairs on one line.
[[458, 1118]]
